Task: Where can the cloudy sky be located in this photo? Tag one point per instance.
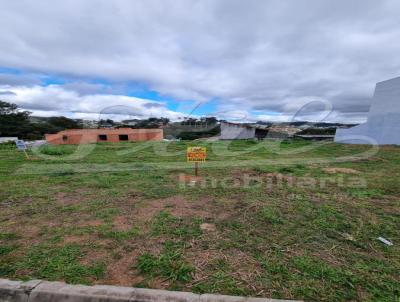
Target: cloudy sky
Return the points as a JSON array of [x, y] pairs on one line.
[[272, 60]]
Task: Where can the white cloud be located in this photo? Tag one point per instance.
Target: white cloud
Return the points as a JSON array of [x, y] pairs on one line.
[[274, 118], [56, 100], [253, 54]]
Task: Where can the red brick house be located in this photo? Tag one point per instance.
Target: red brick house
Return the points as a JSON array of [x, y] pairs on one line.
[[87, 136]]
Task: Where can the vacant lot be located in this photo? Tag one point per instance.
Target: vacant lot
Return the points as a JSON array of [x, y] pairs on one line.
[[286, 220]]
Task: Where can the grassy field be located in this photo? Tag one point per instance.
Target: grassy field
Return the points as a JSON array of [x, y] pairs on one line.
[[294, 220]]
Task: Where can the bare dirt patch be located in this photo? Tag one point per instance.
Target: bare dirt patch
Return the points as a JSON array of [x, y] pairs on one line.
[[177, 206], [242, 267], [334, 170], [201, 259], [70, 198], [189, 179], [122, 272], [76, 239], [93, 223], [29, 235], [122, 223], [208, 227], [248, 175], [95, 256], [280, 177]]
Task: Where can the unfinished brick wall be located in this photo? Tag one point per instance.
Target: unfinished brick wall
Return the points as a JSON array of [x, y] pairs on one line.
[[87, 136]]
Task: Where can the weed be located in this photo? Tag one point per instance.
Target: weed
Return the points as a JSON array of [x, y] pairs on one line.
[[365, 193], [7, 269], [8, 236], [55, 263], [271, 215], [61, 173], [333, 277], [56, 150], [275, 267], [147, 263], [166, 224], [118, 235], [220, 280], [6, 249], [286, 170], [107, 214], [169, 264], [326, 217], [335, 226]]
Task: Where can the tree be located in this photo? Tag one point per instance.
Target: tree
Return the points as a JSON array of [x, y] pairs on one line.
[[14, 122], [152, 122], [209, 120], [106, 123], [318, 131], [60, 123], [8, 108]]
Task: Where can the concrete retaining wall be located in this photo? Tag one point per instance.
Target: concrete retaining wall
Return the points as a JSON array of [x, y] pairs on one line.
[[236, 131], [383, 125], [43, 291]]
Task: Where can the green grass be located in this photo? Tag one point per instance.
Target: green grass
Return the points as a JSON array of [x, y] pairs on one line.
[[8, 236], [52, 150], [53, 263], [270, 215], [314, 270], [6, 249], [166, 224], [118, 215], [221, 279], [107, 213], [169, 263], [119, 235], [365, 193]]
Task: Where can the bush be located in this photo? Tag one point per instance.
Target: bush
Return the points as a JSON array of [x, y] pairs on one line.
[[8, 145], [199, 134], [55, 150], [318, 131]]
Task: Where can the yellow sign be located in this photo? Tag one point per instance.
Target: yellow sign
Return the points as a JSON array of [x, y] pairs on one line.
[[196, 154]]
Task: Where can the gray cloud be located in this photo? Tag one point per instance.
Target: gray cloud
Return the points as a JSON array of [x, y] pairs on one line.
[[16, 79], [7, 93], [154, 105], [84, 88], [251, 55]]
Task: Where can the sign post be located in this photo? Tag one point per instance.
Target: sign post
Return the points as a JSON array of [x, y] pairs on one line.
[[196, 155], [21, 146]]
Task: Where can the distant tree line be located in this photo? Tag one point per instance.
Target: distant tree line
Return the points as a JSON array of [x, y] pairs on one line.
[[318, 131], [152, 122], [17, 123], [191, 135], [192, 128]]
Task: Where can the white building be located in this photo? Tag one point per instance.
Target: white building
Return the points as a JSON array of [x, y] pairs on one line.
[[8, 139], [383, 125]]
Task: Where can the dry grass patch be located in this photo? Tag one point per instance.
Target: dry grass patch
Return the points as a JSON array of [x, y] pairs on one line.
[[333, 170]]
